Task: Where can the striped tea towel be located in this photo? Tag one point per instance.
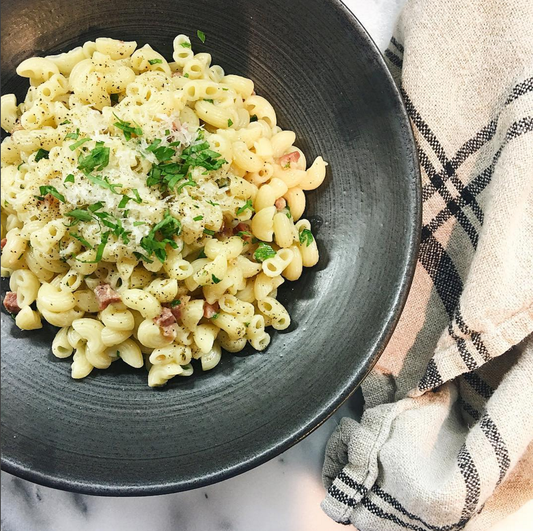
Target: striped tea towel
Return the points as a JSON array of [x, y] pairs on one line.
[[445, 442]]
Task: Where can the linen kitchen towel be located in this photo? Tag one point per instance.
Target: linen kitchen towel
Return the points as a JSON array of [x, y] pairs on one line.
[[445, 442]]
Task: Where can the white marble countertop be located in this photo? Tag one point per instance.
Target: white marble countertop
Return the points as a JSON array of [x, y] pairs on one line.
[[281, 495]]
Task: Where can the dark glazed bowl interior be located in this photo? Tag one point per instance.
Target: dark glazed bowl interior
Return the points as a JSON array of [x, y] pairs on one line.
[[110, 434]]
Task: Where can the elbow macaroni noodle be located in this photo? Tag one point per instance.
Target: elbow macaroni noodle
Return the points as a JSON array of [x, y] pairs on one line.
[[150, 209]]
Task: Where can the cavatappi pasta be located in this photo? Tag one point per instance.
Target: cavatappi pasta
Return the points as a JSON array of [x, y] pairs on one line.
[[150, 209]]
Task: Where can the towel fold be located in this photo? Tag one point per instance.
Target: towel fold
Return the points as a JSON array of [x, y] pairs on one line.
[[445, 442]]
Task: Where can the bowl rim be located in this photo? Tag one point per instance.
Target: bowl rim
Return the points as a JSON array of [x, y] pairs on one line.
[[20, 470]]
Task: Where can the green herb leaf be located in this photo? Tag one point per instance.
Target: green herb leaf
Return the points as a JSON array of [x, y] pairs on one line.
[[96, 206], [264, 252], [124, 201], [80, 215], [175, 303], [168, 227], [138, 223], [214, 316], [185, 44], [212, 203], [163, 153], [245, 235], [246, 206], [77, 144], [82, 240], [289, 214], [41, 154], [69, 178], [155, 61], [186, 74], [45, 190], [253, 118], [73, 136], [201, 35], [190, 182], [230, 122], [127, 129], [104, 183], [209, 100], [141, 256], [66, 122], [209, 232], [97, 159], [114, 98], [154, 144], [202, 254], [215, 279], [198, 218], [306, 237], [137, 198]]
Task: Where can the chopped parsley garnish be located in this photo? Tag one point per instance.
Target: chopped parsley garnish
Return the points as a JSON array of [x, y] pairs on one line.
[[82, 240], [126, 198], [155, 61], [215, 279], [138, 223], [306, 237], [163, 153], [80, 215], [41, 154], [185, 44], [66, 122], [253, 118], [114, 98], [264, 252], [154, 144], [246, 206], [202, 254], [97, 159], [201, 35], [168, 227], [69, 178], [167, 132], [186, 74], [214, 316], [77, 144], [175, 303], [141, 256], [96, 206], [289, 214], [118, 353], [212, 203], [197, 218], [230, 122], [73, 136], [209, 232], [209, 100], [175, 143], [190, 182], [127, 129], [244, 234], [45, 190], [104, 183]]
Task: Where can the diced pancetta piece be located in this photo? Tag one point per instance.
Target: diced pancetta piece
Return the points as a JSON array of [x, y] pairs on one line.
[[106, 295], [10, 302]]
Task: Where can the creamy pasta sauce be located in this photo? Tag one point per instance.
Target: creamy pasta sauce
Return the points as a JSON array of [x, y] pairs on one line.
[[150, 209]]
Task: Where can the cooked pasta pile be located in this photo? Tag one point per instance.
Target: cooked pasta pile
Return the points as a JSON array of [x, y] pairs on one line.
[[150, 209]]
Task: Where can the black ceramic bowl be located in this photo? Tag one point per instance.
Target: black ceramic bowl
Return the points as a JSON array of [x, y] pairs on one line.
[[110, 434]]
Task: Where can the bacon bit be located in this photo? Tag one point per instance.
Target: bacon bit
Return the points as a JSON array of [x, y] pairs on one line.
[[3, 243], [280, 203], [50, 201], [210, 309], [176, 126], [176, 310], [106, 295], [165, 318], [288, 159], [166, 321], [11, 303]]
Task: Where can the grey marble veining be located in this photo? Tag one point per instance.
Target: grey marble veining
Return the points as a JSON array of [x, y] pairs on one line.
[[281, 495]]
